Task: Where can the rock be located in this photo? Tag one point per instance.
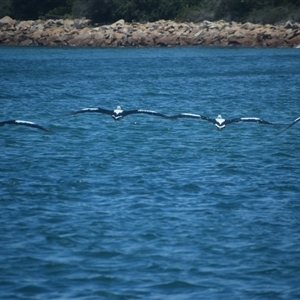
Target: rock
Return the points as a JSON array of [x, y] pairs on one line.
[[167, 40], [82, 39], [26, 42], [117, 25], [151, 39], [7, 21], [293, 39], [24, 25], [289, 25], [249, 26], [81, 23], [79, 32]]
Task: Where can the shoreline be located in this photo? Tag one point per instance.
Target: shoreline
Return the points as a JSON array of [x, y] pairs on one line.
[[80, 33]]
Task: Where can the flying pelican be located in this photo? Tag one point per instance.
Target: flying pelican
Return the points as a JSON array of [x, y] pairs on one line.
[[292, 124], [219, 122], [25, 123], [118, 113]]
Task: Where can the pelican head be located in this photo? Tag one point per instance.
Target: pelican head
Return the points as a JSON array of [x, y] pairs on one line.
[[220, 122]]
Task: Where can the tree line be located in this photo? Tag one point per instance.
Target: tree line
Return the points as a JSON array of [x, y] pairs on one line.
[[109, 11]]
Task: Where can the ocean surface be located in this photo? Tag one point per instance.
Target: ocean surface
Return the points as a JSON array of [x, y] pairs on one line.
[[146, 207]]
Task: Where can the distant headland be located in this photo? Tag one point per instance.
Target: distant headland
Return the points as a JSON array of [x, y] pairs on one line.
[[80, 32]]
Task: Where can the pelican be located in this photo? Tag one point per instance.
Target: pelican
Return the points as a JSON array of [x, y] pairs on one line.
[[25, 123], [118, 113], [220, 122]]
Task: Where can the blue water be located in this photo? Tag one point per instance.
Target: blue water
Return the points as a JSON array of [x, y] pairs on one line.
[[149, 208]]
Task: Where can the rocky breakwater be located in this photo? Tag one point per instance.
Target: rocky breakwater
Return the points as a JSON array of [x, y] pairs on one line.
[[161, 33]]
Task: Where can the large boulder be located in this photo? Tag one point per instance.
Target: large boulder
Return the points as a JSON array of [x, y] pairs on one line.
[[7, 21], [293, 39], [167, 40], [83, 38], [118, 25]]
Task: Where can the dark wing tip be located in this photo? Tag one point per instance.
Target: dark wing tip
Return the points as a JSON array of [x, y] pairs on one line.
[[46, 129], [266, 122], [70, 113], [292, 124]]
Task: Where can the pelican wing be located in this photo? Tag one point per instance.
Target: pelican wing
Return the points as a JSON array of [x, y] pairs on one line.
[[186, 115], [292, 124], [144, 111], [209, 119], [257, 120], [226, 122], [24, 123], [92, 109]]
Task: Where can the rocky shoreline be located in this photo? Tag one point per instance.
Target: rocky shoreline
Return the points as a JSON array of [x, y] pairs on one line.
[[80, 32]]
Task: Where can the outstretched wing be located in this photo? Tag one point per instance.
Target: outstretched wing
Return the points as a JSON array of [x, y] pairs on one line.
[[144, 111], [187, 115], [25, 123], [256, 120], [292, 124], [92, 109]]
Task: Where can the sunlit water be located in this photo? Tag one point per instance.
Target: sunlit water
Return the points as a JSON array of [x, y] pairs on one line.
[[149, 208]]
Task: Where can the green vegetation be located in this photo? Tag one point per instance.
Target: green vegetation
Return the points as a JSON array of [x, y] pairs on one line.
[[108, 11]]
